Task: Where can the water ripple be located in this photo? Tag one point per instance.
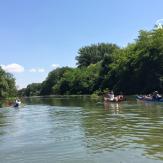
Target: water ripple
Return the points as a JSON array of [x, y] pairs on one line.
[[81, 131]]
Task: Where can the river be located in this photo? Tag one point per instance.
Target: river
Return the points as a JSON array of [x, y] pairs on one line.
[[69, 129]]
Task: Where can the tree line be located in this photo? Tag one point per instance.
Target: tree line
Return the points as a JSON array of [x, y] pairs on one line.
[[7, 85], [136, 68]]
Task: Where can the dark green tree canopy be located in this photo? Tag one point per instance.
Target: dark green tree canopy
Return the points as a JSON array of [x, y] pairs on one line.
[[53, 77], [7, 84], [31, 90], [94, 53]]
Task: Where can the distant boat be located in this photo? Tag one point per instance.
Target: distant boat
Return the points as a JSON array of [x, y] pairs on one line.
[[142, 98], [116, 99], [17, 103]]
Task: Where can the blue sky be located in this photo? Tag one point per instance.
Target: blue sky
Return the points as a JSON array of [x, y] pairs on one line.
[[36, 34]]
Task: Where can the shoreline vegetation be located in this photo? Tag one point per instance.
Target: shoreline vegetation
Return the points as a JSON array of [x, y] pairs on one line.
[[134, 69], [7, 85]]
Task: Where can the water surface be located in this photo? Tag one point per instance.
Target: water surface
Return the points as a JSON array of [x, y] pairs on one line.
[[79, 129]]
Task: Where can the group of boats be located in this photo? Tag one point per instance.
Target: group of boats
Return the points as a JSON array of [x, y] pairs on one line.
[[144, 98], [154, 97], [110, 97]]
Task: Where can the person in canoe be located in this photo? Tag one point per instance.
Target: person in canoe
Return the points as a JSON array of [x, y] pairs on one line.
[[156, 95], [109, 96], [112, 98], [17, 102]]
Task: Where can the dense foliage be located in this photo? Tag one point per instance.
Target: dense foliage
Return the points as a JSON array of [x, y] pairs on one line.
[[94, 53], [7, 84], [31, 90], [78, 81], [137, 68], [53, 78]]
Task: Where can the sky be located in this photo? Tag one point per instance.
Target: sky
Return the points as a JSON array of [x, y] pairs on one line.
[[37, 36]]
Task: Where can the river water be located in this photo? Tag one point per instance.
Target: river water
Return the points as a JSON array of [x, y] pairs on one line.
[[80, 129]]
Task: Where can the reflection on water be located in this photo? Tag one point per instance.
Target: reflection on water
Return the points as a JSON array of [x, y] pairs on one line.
[[115, 107], [70, 129]]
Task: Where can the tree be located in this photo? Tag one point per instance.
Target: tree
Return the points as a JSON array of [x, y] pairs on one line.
[[32, 89], [94, 53], [78, 80], [139, 66], [7, 84], [53, 77]]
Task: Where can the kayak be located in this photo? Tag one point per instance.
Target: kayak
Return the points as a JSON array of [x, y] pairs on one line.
[[17, 104], [142, 98]]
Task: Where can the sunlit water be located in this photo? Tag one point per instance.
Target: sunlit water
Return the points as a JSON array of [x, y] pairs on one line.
[[78, 129]]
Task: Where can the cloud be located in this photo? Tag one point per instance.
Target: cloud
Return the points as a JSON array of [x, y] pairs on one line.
[[13, 68], [55, 65], [37, 70]]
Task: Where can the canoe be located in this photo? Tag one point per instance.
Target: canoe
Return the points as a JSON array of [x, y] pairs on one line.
[[142, 98], [106, 99]]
